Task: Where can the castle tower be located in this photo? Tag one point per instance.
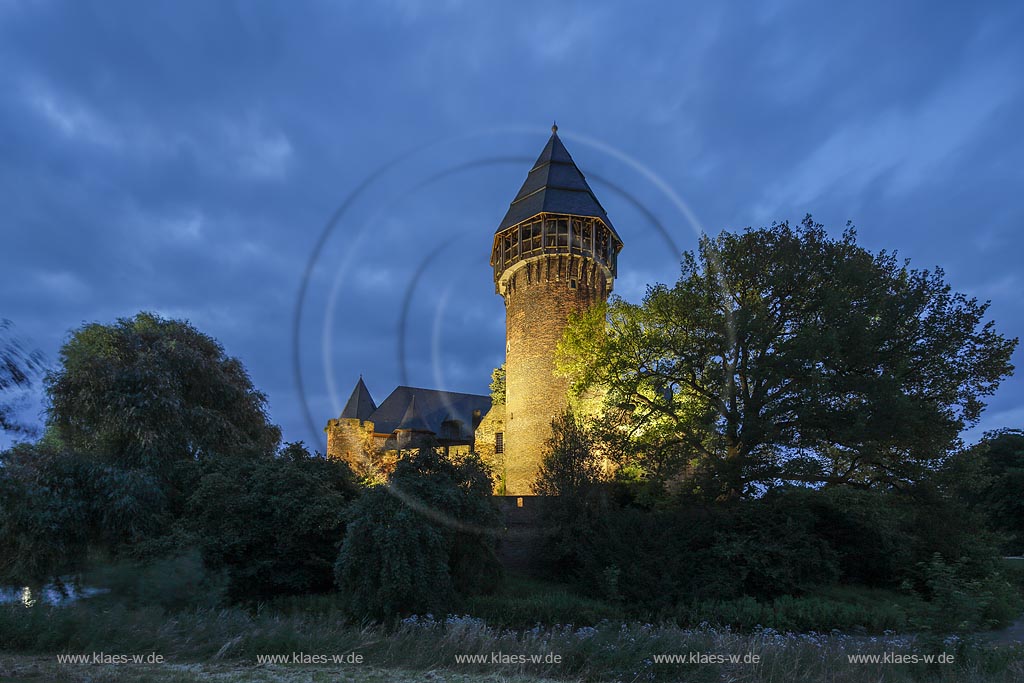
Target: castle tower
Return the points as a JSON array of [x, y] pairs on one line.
[[350, 435], [554, 254]]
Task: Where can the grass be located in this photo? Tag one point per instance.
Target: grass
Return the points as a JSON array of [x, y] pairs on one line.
[[595, 640], [849, 609], [225, 644], [523, 603], [24, 668]]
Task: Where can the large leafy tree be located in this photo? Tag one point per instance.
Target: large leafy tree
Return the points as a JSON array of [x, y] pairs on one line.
[[148, 391], [782, 354]]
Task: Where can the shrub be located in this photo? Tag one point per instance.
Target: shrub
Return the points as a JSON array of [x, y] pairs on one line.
[[272, 524], [959, 601], [174, 583], [426, 536], [791, 541]]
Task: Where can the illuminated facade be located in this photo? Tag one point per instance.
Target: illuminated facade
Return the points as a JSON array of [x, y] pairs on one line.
[[554, 254]]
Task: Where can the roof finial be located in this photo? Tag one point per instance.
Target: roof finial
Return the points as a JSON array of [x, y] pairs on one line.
[[554, 128]]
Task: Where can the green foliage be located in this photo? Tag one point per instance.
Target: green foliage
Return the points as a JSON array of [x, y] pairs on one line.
[[523, 603], [989, 478], [417, 542], [845, 609], [173, 583], [570, 467], [223, 644], [498, 386], [961, 600], [149, 392], [393, 560], [55, 506], [790, 542], [783, 354], [271, 524], [663, 558], [134, 407]]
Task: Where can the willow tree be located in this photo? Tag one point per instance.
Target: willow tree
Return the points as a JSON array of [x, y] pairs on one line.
[[784, 355]]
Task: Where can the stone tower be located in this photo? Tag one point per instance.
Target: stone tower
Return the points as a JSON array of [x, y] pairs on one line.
[[554, 254]]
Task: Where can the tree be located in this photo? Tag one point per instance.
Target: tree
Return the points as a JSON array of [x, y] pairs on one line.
[[570, 466], [782, 355], [498, 386], [416, 543], [988, 478], [18, 366], [148, 391], [272, 524], [569, 472], [55, 507]]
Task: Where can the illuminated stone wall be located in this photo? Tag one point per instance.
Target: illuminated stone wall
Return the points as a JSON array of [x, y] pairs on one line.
[[351, 440], [490, 426], [540, 294]]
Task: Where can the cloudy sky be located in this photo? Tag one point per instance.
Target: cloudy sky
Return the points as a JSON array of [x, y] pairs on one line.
[[215, 160]]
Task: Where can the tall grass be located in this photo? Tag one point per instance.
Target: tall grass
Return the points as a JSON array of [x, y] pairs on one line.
[[605, 652]]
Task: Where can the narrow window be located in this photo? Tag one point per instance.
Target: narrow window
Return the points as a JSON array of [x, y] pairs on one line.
[[499, 442], [572, 284], [519, 502]]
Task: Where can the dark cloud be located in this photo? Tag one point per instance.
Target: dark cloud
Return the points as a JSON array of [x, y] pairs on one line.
[[184, 158]]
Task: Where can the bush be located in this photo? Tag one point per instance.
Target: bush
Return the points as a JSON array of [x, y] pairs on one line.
[[960, 601], [657, 560], [988, 479], [272, 524], [417, 542], [175, 583], [789, 542]]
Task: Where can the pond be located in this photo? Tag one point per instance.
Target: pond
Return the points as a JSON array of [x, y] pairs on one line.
[[50, 594]]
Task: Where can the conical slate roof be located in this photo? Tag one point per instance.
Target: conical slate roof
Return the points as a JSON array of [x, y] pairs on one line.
[[554, 185], [360, 404], [412, 420]]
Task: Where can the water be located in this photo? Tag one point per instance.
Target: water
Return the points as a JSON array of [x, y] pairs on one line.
[[49, 595]]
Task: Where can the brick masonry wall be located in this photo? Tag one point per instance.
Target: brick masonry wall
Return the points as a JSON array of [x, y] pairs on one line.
[[350, 440], [492, 423], [539, 299]]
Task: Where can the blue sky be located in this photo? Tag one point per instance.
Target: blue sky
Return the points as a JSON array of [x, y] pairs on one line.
[[186, 157]]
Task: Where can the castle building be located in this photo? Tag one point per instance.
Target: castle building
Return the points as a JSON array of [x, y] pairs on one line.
[[554, 254], [365, 433]]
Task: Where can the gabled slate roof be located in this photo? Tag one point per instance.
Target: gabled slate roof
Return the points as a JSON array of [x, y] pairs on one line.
[[432, 408], [554, 185], [360, 404]]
